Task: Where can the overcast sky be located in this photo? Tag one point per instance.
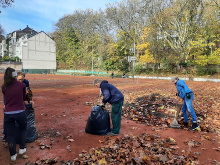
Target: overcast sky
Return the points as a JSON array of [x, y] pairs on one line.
[[41, 15]]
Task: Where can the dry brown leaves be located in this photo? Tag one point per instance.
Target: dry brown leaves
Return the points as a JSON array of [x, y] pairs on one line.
[[140, 149], [158, 110]]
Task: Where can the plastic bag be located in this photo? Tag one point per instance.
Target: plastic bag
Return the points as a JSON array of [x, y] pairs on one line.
[[98, 122], [32, 134]]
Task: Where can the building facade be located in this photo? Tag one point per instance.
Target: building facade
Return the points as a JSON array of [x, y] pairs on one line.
[[35, 50], [3, 49], [39, 53]]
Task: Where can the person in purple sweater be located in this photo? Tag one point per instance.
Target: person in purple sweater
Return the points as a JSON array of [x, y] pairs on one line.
[[14, 93]]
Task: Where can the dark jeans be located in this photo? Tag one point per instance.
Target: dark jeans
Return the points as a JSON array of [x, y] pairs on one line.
[[9, 122], [4, 131]]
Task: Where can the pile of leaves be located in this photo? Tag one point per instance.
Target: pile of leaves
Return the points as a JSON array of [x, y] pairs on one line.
[[141, 149], [154, 109], [206, 103], [157, 110]]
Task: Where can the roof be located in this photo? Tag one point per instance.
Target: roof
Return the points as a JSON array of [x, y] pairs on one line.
[[27, 30], [39, 33]]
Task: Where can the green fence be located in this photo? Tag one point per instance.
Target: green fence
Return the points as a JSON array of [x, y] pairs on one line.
[[78, 71], [38, 71]]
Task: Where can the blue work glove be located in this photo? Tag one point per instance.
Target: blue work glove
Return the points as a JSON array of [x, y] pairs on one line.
[[188, 95]]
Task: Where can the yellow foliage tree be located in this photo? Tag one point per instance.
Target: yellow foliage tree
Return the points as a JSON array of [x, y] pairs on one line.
[[146, 56], [198, 51], [214, 58]]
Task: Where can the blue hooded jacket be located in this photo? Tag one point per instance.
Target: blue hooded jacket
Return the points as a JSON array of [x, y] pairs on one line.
[[111, 93], [26, 83], [182, 88]]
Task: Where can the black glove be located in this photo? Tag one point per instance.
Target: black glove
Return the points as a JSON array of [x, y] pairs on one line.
[[103, 106], [188, 95], [177, 94]]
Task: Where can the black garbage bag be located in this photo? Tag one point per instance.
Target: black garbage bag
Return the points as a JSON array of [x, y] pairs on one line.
[[32, 134], [98, 122]]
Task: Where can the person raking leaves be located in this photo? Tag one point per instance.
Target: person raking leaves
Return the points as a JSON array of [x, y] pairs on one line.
[[187, 95], [113, 96]]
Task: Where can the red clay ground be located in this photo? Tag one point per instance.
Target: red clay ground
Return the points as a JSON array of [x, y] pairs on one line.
[[61, 114]]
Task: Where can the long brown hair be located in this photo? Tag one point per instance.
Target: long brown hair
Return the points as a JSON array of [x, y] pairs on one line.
[[8, 78]]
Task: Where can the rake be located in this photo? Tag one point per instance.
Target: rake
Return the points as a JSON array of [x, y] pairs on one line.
[[175, 124]]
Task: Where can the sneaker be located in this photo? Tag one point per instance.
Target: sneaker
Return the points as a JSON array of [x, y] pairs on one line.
[[22, 151], [111, 134], [13, 158], [194, 126], [185, 124]]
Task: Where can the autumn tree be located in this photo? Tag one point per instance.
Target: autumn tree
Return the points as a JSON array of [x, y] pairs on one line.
[[67, 43], [145, 56], [129, 17], [204, 49], [87, 25], [177, 25], [6, 3], [162, 31]]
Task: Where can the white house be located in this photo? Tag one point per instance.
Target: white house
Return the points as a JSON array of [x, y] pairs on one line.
[[36, 51], [3, 48], [15, 36]]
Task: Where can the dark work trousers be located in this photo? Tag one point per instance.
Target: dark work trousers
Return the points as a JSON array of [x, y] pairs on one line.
[[21, 120], [116, 117], [4, 131]]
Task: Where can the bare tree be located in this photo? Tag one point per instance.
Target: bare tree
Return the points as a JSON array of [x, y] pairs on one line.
[[6, 3], [216, 2], [130, 17], [1, 30], [178, 23]]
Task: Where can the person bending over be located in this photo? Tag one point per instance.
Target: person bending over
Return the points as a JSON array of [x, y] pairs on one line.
[[113, 96], [187, 95]]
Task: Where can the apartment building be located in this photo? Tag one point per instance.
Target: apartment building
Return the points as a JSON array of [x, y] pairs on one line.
[[35, 50]]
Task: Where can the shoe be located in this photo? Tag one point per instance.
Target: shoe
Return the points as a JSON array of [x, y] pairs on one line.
[[13, 158], [185, 124], [22, 151], [194, 126], [111, 134]]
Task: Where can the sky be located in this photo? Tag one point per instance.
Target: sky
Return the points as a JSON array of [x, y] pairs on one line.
[[41, 15]]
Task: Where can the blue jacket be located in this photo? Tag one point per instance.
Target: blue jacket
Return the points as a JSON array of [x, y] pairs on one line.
[[182, 88], [111, 93], [26, 83]]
